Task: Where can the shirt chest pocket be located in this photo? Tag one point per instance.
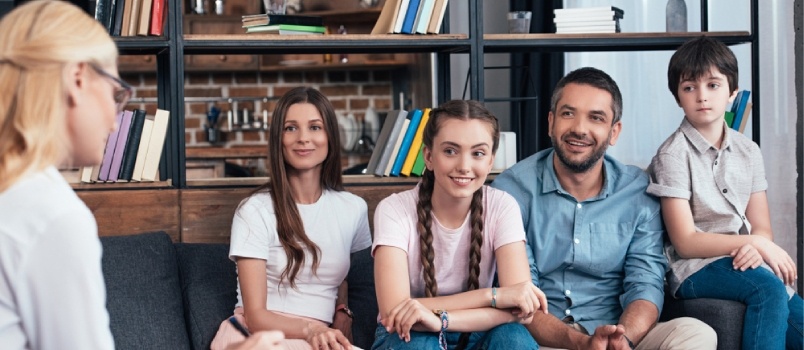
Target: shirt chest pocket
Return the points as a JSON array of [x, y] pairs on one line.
[[604, 247]]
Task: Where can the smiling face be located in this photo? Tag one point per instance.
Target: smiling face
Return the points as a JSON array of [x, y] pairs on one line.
[[705, 99], [304, 138], [461, 157], [581, 129]]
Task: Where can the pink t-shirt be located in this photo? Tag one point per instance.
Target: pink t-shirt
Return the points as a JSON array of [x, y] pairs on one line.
[[395, 222]]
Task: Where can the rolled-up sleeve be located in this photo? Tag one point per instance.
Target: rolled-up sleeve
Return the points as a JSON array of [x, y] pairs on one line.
[[669, 177]]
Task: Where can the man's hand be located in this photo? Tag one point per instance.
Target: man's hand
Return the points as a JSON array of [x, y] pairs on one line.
[[607, 337]]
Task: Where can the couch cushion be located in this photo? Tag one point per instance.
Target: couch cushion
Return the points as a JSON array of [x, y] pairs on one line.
[[724, 316], [209, 288], [143, 295], [363, 298]]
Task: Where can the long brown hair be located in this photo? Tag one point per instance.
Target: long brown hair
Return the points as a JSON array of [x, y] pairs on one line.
[[289, 226], [461, 110]]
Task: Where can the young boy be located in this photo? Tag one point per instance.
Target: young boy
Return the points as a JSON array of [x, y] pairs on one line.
[[711, 179]]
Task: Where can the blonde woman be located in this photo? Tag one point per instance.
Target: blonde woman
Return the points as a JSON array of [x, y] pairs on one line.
[[58, 100]]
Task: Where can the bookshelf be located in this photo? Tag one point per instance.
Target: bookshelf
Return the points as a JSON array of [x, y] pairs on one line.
[[170, 51]]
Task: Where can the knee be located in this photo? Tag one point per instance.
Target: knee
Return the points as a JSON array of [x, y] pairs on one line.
[[510, 336], [418, 340], [693, 331]]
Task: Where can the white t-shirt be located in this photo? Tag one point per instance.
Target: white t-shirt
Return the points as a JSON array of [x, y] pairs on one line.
[[337, 223], [52, 294], [395, 221]]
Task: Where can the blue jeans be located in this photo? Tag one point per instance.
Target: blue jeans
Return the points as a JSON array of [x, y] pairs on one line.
[[505, 336], [769, 316]]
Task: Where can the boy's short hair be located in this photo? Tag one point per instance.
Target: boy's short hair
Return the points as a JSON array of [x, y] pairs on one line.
[[696, 58]]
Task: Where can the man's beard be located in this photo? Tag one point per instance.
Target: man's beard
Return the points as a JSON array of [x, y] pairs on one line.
[[583, 165]]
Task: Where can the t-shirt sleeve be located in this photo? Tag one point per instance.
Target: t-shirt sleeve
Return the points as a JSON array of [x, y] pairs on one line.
[[392, 226], [669, 177], [63, 282], [253, 229], [759, 182], [506, 225], [362, 238]]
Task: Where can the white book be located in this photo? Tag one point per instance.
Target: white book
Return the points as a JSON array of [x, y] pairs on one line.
[[397, 145], [580, 30], [86, 174], [583, 18], [587, 24], [400, 16], [155, 145], [580, 10], [142, 150]]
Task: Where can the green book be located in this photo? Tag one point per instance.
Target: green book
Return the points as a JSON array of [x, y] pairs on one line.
[[729, 118], [418, 165], [286, 28]]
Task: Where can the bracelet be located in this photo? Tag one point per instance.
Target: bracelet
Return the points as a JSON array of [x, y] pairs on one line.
[[344, 309], [494, 297], [630, 343], [444, 316]]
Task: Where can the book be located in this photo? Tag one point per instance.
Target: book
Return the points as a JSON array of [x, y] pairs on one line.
[[111, 142], [156, 143], [157, 17], [418, 165], [410, 17], [404, 148], [287, 29], [439, 9], [120, 146], [382, 141], [95, 173], [264, 19], [744, 120], [117, 21], [104, 10], [134, 18], [738, 114], [400, 16], [407, 166], [142, 150], [423, 17], [86, 174], [397, 144], [593, 29], [398, 117], [132, 145], [608, 23], [589, 11], [385, 23], [145, 17], [585, 18], [729, 117], [126, 24]]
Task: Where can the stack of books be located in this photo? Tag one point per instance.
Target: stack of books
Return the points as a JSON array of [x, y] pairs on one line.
[[133, 150], [411, 17], [737, 116], [132, 17], [284, 24], [605, 19]]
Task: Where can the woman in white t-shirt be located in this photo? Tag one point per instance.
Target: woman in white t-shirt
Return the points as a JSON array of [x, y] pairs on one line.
[[438, 246], [58, 100], [293, 237]]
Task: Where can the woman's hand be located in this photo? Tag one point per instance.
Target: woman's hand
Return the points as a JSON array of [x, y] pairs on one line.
[[262, 340], [342, 322], [746, 257], [778, 260], [407, 314], [322, 337], [525, 297]]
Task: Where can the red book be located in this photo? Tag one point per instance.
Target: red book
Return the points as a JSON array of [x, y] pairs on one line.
[[157, 17]]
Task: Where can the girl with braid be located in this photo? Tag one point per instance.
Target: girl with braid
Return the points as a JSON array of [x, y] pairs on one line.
[[438, 246], [293, 237]]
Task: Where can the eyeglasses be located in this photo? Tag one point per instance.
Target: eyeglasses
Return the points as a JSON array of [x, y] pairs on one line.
[[122, 93]]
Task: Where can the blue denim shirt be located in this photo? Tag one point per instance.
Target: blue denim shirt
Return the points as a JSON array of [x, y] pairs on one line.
[[595, 257]]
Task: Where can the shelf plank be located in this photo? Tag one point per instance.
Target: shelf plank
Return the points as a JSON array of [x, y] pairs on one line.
[[494, 43], [140, 45], [348, 43]]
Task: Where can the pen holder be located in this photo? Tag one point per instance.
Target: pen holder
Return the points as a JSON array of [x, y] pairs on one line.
[[213, 134]]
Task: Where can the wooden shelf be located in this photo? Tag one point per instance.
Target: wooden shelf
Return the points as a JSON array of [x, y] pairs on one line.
[[108, 186], [348, 43], [601, 41]]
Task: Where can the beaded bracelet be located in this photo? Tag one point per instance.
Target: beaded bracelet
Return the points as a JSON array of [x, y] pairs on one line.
[[494, 297], [442, 338]]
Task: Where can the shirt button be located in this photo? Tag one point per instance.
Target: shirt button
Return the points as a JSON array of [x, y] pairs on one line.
[[579, 205], [570, 268], [725, 190], [743, 217], [567, 312], [577, 241], [715, 162], [567, 292]]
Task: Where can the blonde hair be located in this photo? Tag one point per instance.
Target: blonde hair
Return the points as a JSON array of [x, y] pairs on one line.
[[39, 40]]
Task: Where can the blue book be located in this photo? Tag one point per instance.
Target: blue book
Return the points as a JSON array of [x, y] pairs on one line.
[[410, 16], [415, 119], [738, 115]]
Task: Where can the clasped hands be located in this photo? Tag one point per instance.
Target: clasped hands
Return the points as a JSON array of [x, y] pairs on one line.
[[523, 300], [608, 337]]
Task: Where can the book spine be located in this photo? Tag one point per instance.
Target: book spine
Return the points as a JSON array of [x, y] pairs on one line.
[[119, 148], [382, 141], [407, 166], [410, 17], [157, 18], [406, 142], [157, 142], [391, 143], [297, 20], [133, 145], [117, 23], [738, 115], [142, 150], [418, 166], [111, 142], [400, 16], [397, 145], [145, 17]]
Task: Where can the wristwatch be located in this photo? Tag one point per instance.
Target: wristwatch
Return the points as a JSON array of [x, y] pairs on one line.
[[343, 308]]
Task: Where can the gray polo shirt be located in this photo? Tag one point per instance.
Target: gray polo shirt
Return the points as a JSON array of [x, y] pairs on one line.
[[717, 183]]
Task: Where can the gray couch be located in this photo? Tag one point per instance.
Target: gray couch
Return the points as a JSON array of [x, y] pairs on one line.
[[165, 295]]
